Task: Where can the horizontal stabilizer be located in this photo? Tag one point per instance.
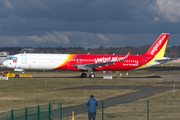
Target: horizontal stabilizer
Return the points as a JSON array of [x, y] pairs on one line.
[[165, 59]]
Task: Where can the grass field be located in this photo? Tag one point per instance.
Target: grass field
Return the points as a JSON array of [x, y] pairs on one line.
[[48, 87], [18, 93]]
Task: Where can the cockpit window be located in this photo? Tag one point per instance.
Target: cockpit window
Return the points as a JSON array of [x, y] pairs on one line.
[[13, 58]]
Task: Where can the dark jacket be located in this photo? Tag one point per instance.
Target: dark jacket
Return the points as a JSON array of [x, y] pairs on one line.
[[92, 103]]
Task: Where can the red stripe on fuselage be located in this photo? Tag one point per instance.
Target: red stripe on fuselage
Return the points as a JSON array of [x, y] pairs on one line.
[[132, 62]]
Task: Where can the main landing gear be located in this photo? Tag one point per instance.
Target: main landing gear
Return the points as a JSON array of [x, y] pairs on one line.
[[91, 75], [83, 75]]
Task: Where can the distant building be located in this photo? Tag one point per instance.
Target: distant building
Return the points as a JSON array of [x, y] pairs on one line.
[[3, 56], [176, 61]]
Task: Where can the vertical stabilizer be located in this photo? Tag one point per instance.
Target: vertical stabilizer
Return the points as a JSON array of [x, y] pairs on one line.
[[157, 50]]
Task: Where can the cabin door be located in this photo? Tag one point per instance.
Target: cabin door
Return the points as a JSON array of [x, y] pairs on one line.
[[144, 60], [78, 60], [23, 59]]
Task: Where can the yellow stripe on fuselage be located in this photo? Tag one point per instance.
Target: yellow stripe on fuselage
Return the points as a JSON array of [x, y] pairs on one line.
[[69, 56]]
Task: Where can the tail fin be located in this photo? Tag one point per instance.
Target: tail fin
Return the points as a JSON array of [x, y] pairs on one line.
[[158, 48]]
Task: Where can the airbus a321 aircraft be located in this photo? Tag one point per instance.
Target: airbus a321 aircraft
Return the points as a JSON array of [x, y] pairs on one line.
[[90, 63]]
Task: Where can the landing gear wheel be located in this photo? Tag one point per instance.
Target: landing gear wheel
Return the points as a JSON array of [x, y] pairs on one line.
[[92, 75], [83, 75], [16, 76]]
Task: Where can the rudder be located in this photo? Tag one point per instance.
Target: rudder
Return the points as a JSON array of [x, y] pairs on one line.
[[158, 48]]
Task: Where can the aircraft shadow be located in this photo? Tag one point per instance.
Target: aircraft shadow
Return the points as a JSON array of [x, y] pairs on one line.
[[70, 77], [144, 77]]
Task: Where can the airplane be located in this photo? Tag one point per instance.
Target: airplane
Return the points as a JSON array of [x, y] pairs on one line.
[[90, 62]]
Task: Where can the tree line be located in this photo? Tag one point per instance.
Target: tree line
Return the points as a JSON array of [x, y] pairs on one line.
[[172, 52]]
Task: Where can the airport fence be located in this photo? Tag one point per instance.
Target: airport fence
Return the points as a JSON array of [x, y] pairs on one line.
[[136, 110]]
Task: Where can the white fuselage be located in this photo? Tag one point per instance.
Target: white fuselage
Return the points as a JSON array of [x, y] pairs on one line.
[[36, 61]]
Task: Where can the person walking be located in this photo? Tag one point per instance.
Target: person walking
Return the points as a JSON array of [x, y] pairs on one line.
[[92, 103]]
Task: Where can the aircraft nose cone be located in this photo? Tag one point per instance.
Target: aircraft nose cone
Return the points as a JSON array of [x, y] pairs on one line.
[[4, 63]]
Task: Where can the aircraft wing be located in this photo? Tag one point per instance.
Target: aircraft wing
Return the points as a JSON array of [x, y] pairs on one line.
[[96, 65]]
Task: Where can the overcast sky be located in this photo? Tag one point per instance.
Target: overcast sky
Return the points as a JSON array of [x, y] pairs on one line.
[[88, 23]]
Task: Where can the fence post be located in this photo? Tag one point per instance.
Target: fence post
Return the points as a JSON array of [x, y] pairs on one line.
[[11, 114], [49, 111], [26, 113], [147, 109], [38, 110], [60, 111], [102, 110]]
